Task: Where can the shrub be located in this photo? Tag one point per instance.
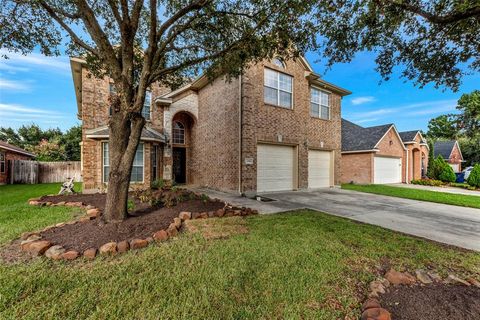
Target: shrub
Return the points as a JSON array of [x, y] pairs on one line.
[[447, 174], [158, 184], [428, 182], [474, 178]]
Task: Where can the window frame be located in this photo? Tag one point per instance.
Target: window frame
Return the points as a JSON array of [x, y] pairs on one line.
[[147, 93], [319, 103], [106, 143], [3, 162], [184, 133], [277, 104]]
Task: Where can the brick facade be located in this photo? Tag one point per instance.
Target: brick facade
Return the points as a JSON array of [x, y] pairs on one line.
[[9, 157], [456, 157], [225, 120], [417, 158]]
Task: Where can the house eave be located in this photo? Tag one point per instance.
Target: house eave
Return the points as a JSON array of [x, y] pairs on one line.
[[315, 79], [26, 153], [361, 151], [76, 65]]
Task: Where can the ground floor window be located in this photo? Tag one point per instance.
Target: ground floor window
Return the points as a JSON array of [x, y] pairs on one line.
[[137, 167], [2, 162]]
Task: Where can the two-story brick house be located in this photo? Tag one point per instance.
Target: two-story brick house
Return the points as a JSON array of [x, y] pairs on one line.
[[276, 127]]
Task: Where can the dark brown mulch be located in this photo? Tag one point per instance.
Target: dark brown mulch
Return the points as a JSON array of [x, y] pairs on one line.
[[92, 234], [432, 302]]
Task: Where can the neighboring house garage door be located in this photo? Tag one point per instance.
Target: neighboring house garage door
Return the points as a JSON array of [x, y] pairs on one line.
[[275, 167], [319, 169], [455, 167], [387, 170]]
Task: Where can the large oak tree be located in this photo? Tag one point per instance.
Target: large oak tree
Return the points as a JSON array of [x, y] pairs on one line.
[[141, 42]]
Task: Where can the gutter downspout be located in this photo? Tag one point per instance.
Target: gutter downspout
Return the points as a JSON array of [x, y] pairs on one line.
[[240, 138]]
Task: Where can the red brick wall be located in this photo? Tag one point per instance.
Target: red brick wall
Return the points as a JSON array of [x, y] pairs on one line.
[[357, 168], [456, 157], [9, 155], [264, 123], [415, 153], [215, 136]]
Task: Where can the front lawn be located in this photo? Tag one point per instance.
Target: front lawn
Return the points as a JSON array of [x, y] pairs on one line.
[[296, 265], [16, 216], [417, 194]]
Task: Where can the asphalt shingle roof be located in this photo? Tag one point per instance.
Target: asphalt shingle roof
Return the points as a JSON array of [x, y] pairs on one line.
[[147, 134], [408, 135], [356, 138], [11, 147], [443, 148]]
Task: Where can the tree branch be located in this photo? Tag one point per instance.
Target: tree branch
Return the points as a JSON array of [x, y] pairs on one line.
[[453, 16]]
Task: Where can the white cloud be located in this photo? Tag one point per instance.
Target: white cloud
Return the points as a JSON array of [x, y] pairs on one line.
[[362, 100], [14, 108], [21, 114], [366, 120], [20, 62], [13, 85]]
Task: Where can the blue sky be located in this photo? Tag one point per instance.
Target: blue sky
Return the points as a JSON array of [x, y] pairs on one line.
[[39, 89]]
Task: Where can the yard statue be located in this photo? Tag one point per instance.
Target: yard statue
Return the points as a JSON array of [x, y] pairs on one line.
[[67, 187]]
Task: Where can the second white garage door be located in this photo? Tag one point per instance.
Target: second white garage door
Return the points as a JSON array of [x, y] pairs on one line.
[[319, 169], [387, 170], [275, 167]]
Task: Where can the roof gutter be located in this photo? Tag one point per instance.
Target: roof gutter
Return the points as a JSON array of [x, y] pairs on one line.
[[360, 151]]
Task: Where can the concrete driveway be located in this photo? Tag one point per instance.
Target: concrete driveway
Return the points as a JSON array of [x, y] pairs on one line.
[[453, 225]]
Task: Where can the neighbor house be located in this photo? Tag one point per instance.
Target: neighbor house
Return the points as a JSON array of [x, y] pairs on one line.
[[450, 151], [381, 154], [8, 153], [276, 127]]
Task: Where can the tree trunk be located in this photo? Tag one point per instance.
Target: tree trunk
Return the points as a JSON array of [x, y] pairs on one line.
[[124, 138]]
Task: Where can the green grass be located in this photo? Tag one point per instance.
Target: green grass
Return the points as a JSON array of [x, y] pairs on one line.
[[17, 216], [297, 265], [417, 194]]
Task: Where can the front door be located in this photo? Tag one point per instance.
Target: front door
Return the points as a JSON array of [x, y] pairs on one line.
[[179, 165]]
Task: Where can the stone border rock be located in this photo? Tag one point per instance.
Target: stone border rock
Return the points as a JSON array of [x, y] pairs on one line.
[[33, 243], [371, 308]]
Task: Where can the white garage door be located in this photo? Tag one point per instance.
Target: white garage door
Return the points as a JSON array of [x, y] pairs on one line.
[[319, 169], [387, 170], [275, 167], [455, 167]]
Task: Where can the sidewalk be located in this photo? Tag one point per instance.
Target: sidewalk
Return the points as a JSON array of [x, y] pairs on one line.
[[438, 189]]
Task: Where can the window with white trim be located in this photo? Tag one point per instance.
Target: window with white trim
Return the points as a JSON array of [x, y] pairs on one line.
[[319, 104], [137, 167], [278, 88], [2, 162], [178, 134], [278, 62]]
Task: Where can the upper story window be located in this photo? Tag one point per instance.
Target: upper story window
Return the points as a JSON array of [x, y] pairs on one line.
[[2, 162], [178, 134], [146, 105], [319, 104], [278, 88], [279, 63]]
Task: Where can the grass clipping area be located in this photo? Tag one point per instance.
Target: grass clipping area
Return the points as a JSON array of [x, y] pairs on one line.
[[297, 265], [417, 194]]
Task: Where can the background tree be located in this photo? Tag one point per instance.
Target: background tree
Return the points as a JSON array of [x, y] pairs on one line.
[[47, 145], [70, 140], [469, 117], [138, 43], [428, 39], [443, 127]]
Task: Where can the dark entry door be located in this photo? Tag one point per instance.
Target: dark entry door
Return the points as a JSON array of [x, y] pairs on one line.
[[179, 165]]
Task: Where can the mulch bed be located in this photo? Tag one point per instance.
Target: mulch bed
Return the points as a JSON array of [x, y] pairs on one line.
[[93, 199], [432, 302], [140, 225]]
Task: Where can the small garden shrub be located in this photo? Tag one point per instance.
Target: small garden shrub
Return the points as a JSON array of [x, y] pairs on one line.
[[428, 182], [474, 178], [158, 184], [447, 174]]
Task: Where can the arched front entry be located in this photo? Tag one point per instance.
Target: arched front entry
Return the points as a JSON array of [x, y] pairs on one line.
[[181, 135]]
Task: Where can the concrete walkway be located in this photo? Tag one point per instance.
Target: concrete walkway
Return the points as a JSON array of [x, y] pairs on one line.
[[452, 225], [438, 189]]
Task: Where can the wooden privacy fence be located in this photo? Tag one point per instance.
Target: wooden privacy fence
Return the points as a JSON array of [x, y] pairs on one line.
[[30, 172]]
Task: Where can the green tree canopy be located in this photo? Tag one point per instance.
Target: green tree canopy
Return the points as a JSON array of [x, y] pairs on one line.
[[429, 39], [443, 127], [469, 117]]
